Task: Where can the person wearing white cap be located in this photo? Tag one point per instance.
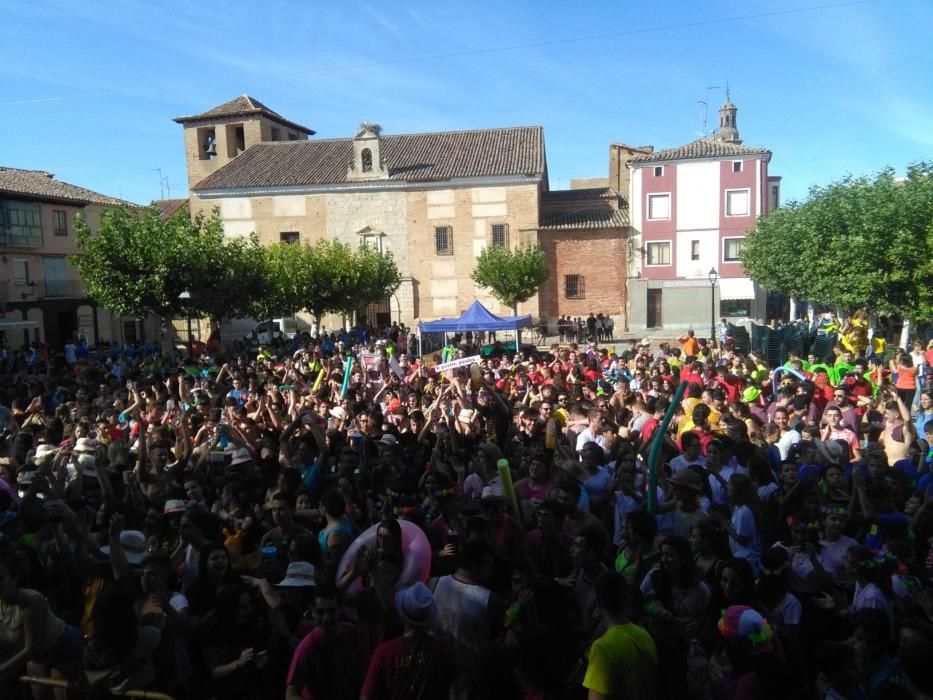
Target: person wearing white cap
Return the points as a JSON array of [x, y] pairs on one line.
[[415, 665]]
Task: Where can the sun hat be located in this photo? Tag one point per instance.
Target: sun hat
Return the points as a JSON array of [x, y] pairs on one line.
[[415, 604], [688, 479], [174, 505], [338, 412], [134, 546], [44, 452], [85, 445], [465, 415], [746, 628], [645, 342], [299, 574], [751, 393], [832, 450], [388, 440]]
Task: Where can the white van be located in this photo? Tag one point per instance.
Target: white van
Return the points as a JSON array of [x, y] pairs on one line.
[[269, 331]]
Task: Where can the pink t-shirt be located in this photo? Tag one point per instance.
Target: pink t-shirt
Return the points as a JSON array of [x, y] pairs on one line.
[[527, 491]]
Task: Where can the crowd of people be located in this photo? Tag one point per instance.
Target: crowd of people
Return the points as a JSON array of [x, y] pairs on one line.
[[679, 521], [596, 327]]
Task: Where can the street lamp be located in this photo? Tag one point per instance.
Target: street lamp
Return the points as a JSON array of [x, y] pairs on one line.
[[713, 276], [185, 299]]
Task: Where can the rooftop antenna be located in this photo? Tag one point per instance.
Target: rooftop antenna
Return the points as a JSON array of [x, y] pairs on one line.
[[705, 104], [162, 181]]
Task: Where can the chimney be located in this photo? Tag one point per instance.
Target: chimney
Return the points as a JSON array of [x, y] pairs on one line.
[[620, 155]]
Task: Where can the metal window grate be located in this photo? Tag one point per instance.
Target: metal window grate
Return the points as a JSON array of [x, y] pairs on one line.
[[573, 287], [500, 235], [290, 237], [443, 240]]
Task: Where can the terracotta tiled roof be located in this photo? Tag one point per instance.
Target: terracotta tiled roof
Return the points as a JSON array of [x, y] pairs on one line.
[[428, 157], [43, 185], [701, 148], [169, 207], [586, 219], [583, 193], [242, 106]]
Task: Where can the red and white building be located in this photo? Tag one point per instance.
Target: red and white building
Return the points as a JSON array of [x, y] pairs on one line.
[[691, 207]]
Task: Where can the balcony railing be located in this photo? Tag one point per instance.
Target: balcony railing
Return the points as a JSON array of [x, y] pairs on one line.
[[61, 288], [46, 289]]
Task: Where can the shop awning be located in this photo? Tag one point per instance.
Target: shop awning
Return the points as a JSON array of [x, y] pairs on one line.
[[736, 288]]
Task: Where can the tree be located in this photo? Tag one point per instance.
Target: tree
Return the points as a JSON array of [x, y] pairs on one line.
[[854, 242], [328, 278], [137, 263], [284, 271], [513, 276], [377, 277], [340, 279], [231, 279]]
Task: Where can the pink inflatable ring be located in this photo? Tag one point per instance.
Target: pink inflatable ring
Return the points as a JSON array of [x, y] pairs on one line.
[[416, 554]]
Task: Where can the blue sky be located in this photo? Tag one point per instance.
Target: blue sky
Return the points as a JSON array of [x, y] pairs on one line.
[[88, 89]]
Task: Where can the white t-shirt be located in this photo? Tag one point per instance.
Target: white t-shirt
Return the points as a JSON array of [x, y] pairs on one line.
[[587, 436], [788, 439], [833, 557], [870, 596], [743, 520], [681, 462]]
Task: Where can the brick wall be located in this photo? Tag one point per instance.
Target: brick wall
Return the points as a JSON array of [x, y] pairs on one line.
[[599, 257]]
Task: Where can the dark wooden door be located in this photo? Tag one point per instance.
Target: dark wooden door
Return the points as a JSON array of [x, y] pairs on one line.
[[654, 308]]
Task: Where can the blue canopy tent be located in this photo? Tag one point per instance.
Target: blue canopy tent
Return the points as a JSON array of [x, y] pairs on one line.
[[476, 318]]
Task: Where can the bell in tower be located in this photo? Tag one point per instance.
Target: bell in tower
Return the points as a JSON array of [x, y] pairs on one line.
[[728, 130]]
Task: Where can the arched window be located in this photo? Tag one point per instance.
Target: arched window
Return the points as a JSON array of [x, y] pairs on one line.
[[367, 158]]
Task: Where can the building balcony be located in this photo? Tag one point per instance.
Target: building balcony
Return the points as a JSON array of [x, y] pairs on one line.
[[43, 289], [57, 289]]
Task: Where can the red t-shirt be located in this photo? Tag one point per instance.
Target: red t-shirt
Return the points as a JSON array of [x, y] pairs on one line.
[[648, 429], [334, 665], [409, 668]]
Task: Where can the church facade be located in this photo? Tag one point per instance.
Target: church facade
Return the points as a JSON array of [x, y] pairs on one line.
[[434, 200]]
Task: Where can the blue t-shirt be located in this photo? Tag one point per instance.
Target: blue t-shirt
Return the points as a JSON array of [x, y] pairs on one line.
[[311, 478], [598, 486]]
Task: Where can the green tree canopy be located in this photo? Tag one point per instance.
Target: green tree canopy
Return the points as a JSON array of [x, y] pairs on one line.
[[338, 278], [377, 277], [138, 263], [513, 276], [284, 271], [858, 241]]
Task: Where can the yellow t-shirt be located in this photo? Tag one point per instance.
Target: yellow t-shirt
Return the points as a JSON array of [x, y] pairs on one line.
[[623, 663]]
